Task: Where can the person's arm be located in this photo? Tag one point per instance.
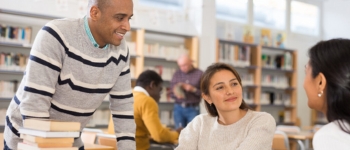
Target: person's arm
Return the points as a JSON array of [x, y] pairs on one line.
[[121, 106], [41, 75], [158, 132], [260, 134], [189, 136]]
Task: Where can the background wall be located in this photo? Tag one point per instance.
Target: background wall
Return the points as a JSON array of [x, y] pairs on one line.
[[336, 20]]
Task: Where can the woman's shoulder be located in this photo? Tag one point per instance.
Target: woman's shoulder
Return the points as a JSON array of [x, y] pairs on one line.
[[332, 128], [261, 119], [203, 119], [261, 116], [331, 136]]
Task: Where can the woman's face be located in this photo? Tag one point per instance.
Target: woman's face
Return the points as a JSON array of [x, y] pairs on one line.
[[225, 92], [311, 86]]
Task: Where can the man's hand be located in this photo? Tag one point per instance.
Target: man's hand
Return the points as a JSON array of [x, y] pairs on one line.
[[178, 91], [189, 87]]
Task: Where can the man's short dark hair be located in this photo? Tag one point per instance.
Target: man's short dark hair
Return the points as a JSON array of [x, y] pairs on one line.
[[147, 77]]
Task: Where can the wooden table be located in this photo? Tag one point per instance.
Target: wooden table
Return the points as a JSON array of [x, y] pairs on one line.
[[96, 147], [304, 137]]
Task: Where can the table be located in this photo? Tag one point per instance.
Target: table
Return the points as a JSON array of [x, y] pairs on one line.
[[304, 137]]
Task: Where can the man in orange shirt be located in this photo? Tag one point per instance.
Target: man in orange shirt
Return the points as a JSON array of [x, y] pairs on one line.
[[146, 96]]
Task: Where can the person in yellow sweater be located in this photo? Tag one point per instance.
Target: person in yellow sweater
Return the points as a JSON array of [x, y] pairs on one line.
[[148, 126]]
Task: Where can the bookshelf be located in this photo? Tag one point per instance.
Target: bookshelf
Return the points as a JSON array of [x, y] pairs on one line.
[[137, 38], [159, 51], [265, 86]]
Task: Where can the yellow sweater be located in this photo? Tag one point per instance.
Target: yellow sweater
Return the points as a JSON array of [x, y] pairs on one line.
[[148, 122]]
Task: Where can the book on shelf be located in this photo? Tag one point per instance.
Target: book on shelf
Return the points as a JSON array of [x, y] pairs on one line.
[[132, 48], [23, 146], [248, 34], [13, 61], [265, 37], [234, 54], [280, 39], [281, 61], [49, 134], [48, 145], [162, 51], [50, 125], [36, 139], [8, 88], [14, 34]]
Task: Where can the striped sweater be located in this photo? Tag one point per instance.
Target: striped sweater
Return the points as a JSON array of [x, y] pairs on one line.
[[67, 79]]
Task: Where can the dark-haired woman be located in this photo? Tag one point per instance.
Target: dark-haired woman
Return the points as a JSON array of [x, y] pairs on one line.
[[327, 85], [229, 123]]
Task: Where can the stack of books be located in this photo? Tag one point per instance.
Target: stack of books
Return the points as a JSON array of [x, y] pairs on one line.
[[48, 135]]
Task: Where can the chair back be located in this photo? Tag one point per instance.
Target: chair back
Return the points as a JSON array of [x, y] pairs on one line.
[[280, 141]]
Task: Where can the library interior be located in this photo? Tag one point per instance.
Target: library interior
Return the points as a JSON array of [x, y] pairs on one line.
[[174, 74]]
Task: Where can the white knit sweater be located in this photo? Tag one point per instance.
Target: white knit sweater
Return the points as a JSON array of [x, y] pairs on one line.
[[252, 132]]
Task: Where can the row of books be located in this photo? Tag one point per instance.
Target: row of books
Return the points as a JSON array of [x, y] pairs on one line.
[[247, 79], [164, 72], [234, 54], [284, 61], [277, 81], [13, 61], [284, 116], [248, 97], [8, 88], [15, 34], [132, 47], [48, 134], [249, 34], [275, 98], [162, 51]]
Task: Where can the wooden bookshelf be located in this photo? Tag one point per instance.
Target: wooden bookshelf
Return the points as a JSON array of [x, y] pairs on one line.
[[257, 70]]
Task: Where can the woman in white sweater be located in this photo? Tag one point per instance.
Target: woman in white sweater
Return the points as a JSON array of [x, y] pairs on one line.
[[229, 124], [327, 85]]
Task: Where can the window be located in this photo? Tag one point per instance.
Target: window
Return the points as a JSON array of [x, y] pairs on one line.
[[233, 10], [270, 13], [166, 4], [304, 18]]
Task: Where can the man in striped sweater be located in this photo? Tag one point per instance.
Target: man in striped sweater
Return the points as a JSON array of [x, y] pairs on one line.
[[74, 64]]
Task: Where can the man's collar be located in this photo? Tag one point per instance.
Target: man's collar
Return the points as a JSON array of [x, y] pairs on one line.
[[140, 89], [91, 37]]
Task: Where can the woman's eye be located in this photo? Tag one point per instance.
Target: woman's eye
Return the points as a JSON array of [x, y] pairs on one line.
[[219, 88], [234, 84]]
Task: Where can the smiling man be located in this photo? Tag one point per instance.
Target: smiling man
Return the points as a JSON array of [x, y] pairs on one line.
[[73, 65]]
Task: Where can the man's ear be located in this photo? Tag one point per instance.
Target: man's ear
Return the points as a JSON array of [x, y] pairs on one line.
[[151, 85], [207, 98], [322, 82], [95, 13]]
